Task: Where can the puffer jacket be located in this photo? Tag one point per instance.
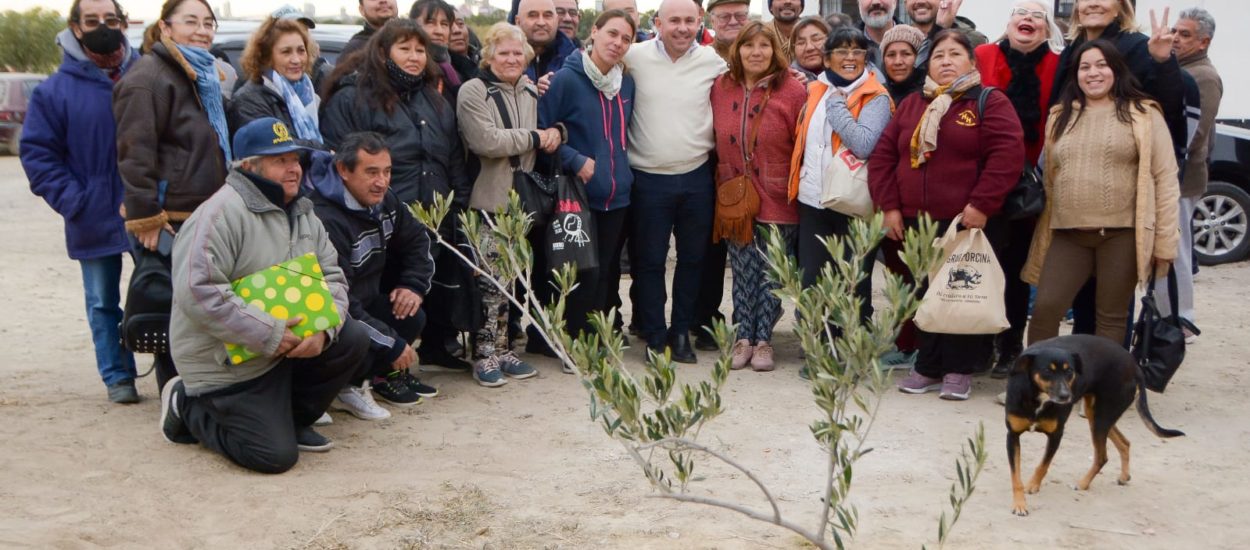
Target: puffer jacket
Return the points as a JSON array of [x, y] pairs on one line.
[[259, 100], [372, 244], [164, 139], [69, 154], [420, 132], [484, 133]]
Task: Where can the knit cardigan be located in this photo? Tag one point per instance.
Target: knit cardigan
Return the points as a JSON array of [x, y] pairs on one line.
[[1156, 229]]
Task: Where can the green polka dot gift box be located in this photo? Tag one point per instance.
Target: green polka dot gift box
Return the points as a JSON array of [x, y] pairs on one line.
[[293, 288]]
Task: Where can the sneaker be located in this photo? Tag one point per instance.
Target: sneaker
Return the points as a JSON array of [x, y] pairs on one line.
[[741, 354], [172, 426], [309, 441], [915, 382], [762, 358], [393, 390], [359, 402], [486, 372], [956, 387], [417, 387], [1002, 368], [898, 360], [513, 366], [124, 392], [432, 356], [323, 420]]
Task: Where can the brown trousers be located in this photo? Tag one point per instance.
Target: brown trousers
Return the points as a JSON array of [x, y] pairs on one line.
[[1075, 255]]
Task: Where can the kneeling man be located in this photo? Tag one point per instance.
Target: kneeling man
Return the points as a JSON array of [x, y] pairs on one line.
[[258, 413]]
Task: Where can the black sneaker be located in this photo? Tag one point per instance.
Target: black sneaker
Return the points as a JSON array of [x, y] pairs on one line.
[[435, 357], [414, 384], [395, 391], [172, 426], [308, 440], [703, 341]]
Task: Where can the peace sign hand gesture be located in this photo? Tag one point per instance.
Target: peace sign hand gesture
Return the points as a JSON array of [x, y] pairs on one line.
[[1161, 35], [947, 10]]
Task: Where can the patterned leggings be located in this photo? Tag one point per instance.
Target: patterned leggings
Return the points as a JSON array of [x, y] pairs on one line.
[[756, 309], [492, 338]]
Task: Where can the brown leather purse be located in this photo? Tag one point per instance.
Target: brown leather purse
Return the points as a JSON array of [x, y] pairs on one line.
[[737, 202]]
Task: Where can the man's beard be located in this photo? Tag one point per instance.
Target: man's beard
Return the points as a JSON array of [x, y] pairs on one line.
[[876, 21], [379, 21], [788, 19]]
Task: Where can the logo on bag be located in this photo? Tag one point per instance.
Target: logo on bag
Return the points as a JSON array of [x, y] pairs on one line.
[[569, 205], [850, 160], [963, 277], [568, 230]]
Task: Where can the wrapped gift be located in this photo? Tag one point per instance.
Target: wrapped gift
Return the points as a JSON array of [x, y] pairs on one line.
[[294, 288]]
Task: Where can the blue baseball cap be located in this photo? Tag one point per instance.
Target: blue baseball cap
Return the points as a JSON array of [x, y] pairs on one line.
[[264, 137]]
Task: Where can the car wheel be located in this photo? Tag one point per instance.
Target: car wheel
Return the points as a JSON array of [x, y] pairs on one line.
[[1219, 224]]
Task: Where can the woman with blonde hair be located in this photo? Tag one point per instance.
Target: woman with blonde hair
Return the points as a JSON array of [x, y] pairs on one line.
[[278, 63], [498, 118], [755, 109]]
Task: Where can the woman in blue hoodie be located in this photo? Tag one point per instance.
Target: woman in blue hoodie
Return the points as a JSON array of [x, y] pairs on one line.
[[593, 99]]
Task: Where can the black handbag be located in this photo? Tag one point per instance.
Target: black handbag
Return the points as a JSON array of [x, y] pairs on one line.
[[145, 319], [1028, 198], [536, 191], [1158, 341]]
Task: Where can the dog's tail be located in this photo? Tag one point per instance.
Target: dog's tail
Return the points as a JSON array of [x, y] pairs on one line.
[[1144, 412]]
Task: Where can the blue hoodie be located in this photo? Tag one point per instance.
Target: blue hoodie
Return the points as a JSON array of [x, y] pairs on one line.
[[69, 152], [597, 128], [560, 51]]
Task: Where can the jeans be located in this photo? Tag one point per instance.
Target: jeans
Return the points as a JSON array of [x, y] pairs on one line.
[[101, 281], [664, 206]]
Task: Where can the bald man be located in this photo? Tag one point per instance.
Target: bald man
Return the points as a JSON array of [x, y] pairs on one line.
[[670, 141], [537, 19]]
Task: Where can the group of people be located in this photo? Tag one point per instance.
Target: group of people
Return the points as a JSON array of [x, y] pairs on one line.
[[665, 135]]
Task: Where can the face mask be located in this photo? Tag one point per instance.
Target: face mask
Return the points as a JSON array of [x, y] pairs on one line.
[[103, 40]]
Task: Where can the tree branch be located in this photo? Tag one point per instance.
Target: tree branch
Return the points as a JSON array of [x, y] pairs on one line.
[[687, 444], [685, 497]]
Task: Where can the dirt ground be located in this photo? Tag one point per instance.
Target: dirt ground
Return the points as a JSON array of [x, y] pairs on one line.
[[522, 467]]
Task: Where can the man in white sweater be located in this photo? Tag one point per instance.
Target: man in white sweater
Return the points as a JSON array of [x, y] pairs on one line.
[[670, 141]]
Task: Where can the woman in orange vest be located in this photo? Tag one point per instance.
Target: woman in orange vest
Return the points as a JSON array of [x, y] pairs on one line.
[[846, 111]]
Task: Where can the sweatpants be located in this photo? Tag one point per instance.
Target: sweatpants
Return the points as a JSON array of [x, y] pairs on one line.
[[756, 308], [253, 423], [664, 206], [1109, 255], [815, 223], [491, 339]]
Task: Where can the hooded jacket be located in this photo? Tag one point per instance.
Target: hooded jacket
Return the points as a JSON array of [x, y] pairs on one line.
[[259, 100], [383, 242], [164, 140], [484, 133], [597, 129], [420, 132], [553, 57], [238, 231], [69, 152]]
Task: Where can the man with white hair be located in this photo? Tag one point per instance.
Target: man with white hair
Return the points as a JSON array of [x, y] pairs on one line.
[[670, 141], [1192, 39], [876, 17]]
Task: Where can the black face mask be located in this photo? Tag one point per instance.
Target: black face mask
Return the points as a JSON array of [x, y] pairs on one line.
[[103, 40]]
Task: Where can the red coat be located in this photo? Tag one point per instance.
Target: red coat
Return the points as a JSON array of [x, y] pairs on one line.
[[976, 162], [992, 64], [770, 168]]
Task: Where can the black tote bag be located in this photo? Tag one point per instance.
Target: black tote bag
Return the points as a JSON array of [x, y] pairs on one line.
[[1158, 341], [571, 233]]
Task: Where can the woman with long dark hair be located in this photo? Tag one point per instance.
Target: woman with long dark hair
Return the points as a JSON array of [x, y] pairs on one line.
[[437, 18], [755, 109], [942, 156], [1111, 192]]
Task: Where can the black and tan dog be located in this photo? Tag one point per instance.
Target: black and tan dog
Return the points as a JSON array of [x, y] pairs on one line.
[[1047, 380]]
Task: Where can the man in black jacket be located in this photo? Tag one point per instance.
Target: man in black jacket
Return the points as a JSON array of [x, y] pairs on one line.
[[385, 255], [375, 13]]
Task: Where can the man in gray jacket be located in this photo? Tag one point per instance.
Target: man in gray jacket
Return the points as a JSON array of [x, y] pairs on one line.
[[258, 413]]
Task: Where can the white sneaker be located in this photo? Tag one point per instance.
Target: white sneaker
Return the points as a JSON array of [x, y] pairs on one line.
[[359, 402], [324, 420]]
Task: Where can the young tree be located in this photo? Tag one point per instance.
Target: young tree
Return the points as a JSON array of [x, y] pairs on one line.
[[28, 40]]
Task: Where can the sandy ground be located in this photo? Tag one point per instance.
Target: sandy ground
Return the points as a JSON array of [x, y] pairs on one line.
[[522, 467]]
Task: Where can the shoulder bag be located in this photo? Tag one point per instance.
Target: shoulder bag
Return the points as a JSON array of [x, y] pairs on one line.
[[1028, 198], [1158, 341]]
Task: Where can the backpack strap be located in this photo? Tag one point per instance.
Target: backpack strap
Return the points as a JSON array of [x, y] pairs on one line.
[[985, 94]]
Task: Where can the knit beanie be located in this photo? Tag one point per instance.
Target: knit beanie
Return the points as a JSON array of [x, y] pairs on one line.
[[903, 33]]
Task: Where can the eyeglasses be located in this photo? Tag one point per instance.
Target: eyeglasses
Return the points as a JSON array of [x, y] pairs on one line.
[[848, 52], [1022, 12], [91, 23], [726, 17], [207, 24]]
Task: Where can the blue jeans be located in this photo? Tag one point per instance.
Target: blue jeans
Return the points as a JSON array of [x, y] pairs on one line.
[[101, 280], [663, 206]]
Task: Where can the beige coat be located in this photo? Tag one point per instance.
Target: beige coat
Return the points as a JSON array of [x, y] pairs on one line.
[[1156, 229], [484, 133]]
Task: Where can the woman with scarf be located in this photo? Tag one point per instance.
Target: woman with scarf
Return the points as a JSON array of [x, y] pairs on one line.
[[755, 109], [1021, 64], [278, 62], [809, 46], [391, 87], [846, 107], [593, 99], [498, 115], [942, 157], [899, 48], [173, 145], [437, 18]]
